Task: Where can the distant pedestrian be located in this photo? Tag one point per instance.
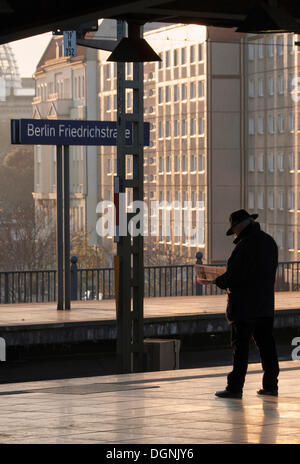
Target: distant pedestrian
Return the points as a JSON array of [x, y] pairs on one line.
[[249, 280]]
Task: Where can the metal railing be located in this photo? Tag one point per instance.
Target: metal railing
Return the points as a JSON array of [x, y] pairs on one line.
[[99, 283], [27, 286]]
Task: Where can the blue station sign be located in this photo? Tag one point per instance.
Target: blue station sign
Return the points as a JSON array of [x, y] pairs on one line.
[[70, 132]]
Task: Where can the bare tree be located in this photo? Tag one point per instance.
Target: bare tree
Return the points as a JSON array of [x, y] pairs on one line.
[[27, 235], [88, 256], [17, 179], [156, 254], [27, 240]]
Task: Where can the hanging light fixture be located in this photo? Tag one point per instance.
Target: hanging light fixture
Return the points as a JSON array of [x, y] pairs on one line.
[[133, 48]]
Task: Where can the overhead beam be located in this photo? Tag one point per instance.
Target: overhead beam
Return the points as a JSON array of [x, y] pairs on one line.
[[5, 7], [165, 12], [19, 23], [73, 16]]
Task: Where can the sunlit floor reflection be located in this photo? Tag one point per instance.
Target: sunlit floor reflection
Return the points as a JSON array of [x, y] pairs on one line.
[[154, 407]]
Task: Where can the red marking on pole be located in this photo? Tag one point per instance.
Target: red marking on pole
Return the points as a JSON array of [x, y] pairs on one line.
[[117, 208], [116, 203]]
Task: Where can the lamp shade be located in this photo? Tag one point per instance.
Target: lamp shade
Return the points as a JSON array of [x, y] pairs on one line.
[[133, 49]]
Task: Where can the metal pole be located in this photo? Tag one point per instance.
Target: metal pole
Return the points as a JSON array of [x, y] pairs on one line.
[[138, 195], [59, 228], [67, 226], [199, 257], [74, 278], [130, 323], [123, 248]]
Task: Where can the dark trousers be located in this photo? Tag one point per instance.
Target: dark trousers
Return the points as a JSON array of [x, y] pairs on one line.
[[261, 329]]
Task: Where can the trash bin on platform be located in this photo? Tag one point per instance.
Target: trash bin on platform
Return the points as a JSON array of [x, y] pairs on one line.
[[161, 354]]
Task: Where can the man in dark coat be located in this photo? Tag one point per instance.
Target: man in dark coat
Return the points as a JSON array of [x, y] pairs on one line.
[[249, 280]]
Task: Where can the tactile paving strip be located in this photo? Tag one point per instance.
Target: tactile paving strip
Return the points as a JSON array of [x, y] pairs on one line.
[[90, 388], [81, 389]]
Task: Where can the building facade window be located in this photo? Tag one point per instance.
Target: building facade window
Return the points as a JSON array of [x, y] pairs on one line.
[[129, 165], [160, 63], [192, 54], [167, 59], [290, 43], [291, 161], [280, 123], [281, 200], [260, 162], [168, 164], [291, 200], [200, 163], [192, 90], [160, 95], [107, 71], [270, 47], [271, 85], [280, 161], [107, 103], [161, 164], [193, 163], [271, 128], [291, 122], [250, 200], [109, 166], [271, 163], [251, 52], [251, 126], [260, 87], [176, 93], [201, 126], [167, 94], [260, 124], [260, 200], [176, 128], [280, 84], [260, 50], [176, 163], [200, 52], [291, 243], [279, 240], [193, 127], [168, 129], [279, 45], [160, 130], [201, 89], [175, 57], [271, 199], [251, 163], [251, 88]]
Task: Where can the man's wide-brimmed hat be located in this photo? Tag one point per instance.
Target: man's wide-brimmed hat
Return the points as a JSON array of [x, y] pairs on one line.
[[237, 217]]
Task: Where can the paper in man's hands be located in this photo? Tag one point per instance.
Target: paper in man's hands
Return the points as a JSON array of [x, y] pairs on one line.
[[208, 274]]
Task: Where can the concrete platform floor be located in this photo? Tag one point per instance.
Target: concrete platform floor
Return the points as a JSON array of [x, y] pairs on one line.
[[171, 407], [21, 314]]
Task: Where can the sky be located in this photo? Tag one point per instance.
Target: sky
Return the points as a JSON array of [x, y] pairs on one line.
[[29, 51]]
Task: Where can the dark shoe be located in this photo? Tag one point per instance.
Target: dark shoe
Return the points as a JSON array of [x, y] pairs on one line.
[[267, 392], [229, 394]]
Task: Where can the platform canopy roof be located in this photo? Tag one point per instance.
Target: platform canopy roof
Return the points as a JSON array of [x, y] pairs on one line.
[[29, 17]]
